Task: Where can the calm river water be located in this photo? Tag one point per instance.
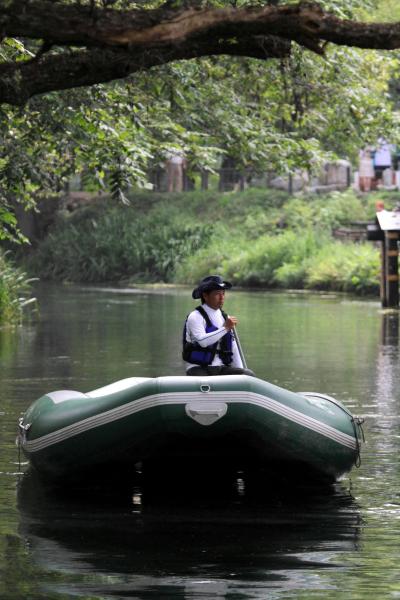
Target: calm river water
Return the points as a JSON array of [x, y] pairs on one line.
[[216, 541]]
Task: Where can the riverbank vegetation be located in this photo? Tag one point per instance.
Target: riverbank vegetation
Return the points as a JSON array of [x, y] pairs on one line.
[[15, 292], [255, 238]]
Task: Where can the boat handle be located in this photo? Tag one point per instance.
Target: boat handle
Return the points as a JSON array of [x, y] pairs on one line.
[[205, 388], [206, 412]]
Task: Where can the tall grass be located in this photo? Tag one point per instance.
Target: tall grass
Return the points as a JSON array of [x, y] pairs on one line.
[[15, 292], [117, 244]]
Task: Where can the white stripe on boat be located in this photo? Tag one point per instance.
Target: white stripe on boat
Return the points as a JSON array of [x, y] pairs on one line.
[[172, 398]]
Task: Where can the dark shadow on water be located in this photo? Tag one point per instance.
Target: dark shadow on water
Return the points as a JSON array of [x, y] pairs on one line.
[[182, 483], [155, 542]]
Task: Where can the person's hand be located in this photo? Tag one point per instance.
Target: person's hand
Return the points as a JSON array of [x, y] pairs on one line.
[[230, 323]]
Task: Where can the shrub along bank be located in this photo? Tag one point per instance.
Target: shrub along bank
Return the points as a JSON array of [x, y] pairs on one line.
[[15, 292], [254, 238]]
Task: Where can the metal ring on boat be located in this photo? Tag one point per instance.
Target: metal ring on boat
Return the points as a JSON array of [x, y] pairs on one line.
[[204, 387], [22, 431]]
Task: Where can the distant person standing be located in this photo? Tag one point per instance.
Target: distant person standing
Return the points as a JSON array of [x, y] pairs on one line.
[[366, 171], [382, 158], [176, 164]]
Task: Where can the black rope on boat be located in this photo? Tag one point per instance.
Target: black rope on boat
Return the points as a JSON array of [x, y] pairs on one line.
[[19, 456], [357, 425]]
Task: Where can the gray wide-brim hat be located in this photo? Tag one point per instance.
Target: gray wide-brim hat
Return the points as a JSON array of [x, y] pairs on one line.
[[212, 282]]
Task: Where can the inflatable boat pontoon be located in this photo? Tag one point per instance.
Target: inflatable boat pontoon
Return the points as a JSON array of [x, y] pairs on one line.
[[240, 421]]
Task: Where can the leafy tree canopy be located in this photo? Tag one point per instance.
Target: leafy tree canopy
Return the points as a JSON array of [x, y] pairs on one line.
[[252, 89]]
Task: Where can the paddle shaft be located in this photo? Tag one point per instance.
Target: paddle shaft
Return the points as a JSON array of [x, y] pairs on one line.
[[235, 333]]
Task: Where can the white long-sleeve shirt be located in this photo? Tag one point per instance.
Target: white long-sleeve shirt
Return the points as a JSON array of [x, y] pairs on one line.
[[196, 332]]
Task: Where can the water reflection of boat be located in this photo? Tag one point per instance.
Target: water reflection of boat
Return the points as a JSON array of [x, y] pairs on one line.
[[207, 546], [236, 421]]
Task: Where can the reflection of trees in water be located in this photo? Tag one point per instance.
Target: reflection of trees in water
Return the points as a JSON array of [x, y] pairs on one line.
[[382, 450], [388, 361], [171, 542]]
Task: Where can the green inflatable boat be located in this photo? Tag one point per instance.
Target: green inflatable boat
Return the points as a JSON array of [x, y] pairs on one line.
[[235, 422]]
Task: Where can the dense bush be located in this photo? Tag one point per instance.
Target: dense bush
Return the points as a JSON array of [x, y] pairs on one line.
[[290, 260], [344, 267], [15, 292], [255, 238]]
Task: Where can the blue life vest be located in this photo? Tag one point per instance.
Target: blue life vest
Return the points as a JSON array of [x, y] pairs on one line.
[[194, 353]]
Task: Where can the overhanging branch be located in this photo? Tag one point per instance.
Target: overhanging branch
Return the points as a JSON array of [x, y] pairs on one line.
[[74, 24], [67, 70], [118, 43]]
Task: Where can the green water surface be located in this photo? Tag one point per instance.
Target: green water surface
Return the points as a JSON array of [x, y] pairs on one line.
[[216, 542]]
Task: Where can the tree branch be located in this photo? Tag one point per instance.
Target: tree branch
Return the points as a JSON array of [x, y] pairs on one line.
[[122, 42], [74, 24], [21, 81]]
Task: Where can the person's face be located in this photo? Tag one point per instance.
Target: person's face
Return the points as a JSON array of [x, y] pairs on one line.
[[215, 298]]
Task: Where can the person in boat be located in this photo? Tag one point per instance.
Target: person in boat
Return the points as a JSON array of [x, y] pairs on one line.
[[209, 345]]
